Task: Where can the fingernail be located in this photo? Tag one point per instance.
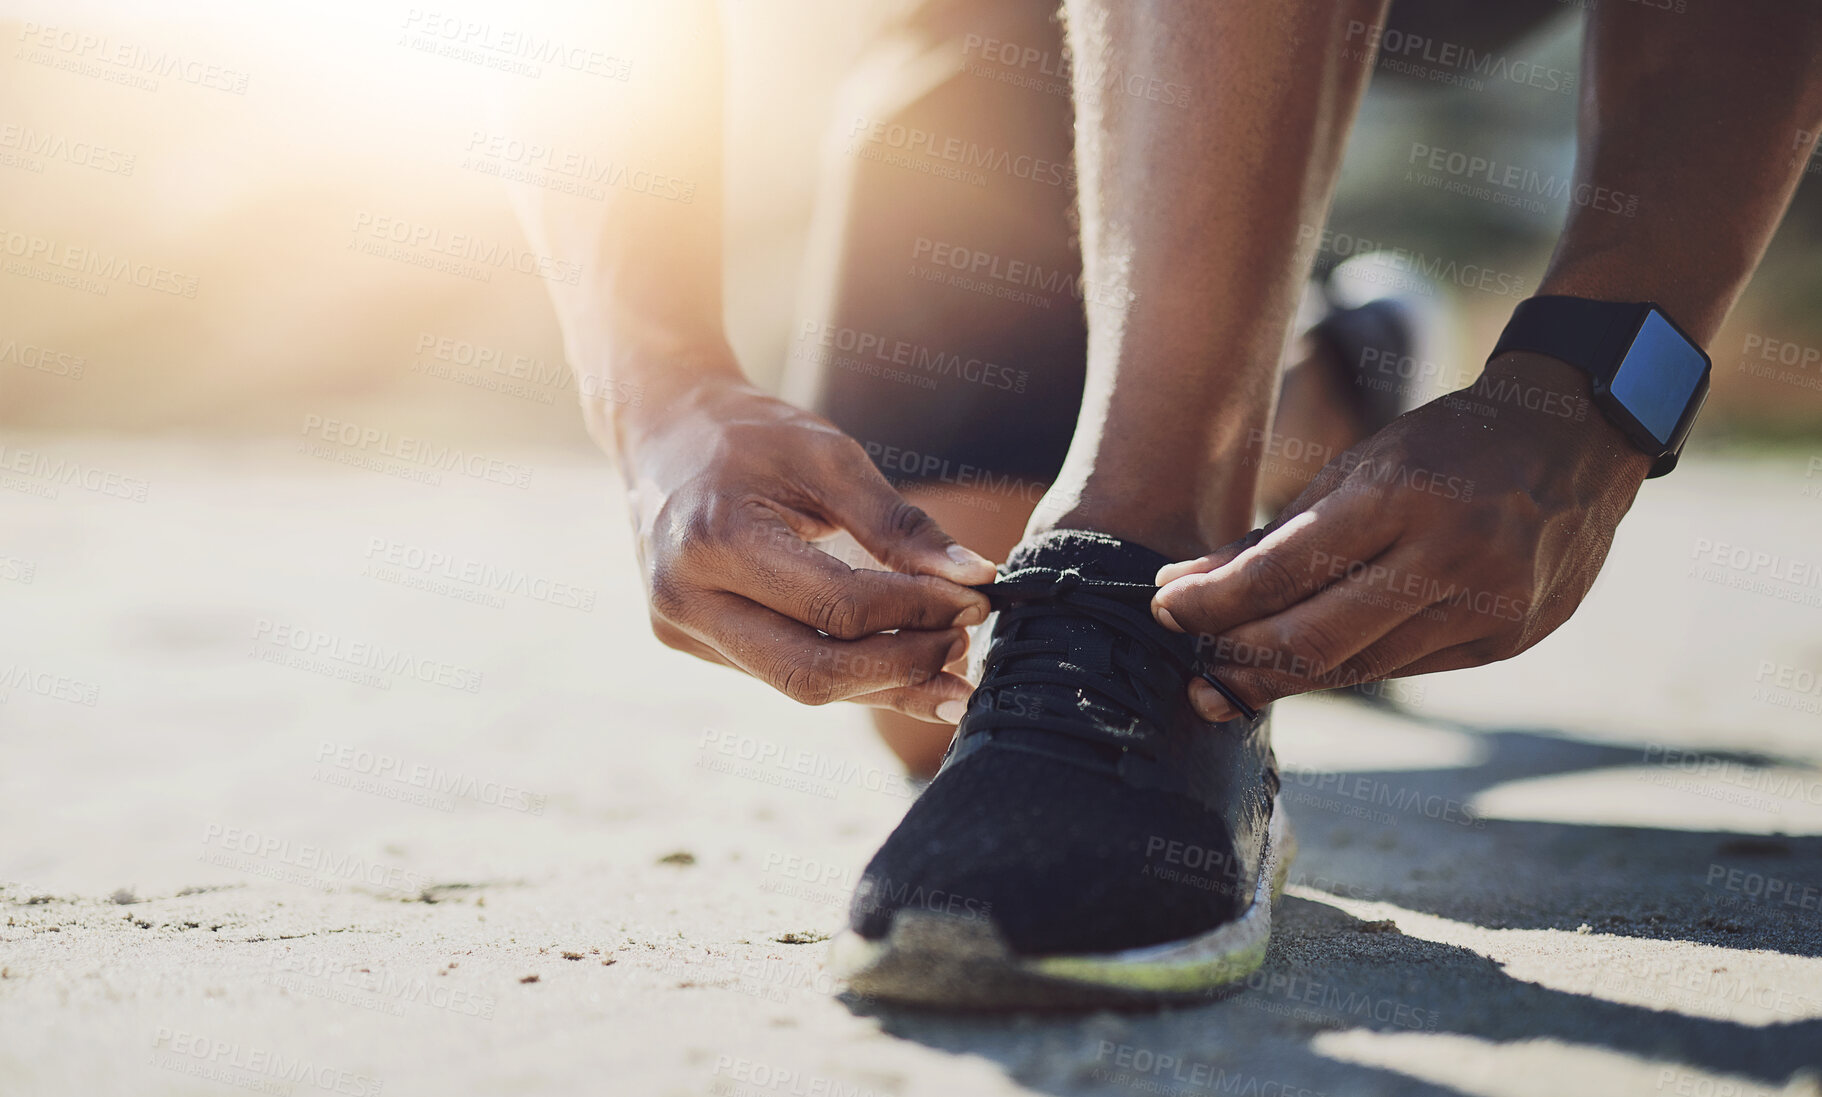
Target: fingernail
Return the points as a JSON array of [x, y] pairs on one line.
[[951, 712], [1165, 619], [969, 558], [956, 650], [1177, 571], [973, 615], [1208, 702]]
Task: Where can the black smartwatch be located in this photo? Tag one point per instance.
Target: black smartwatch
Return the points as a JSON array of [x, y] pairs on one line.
[[1650, 378]]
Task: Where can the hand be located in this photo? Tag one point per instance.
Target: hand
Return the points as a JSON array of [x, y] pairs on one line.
[[1461, 534], [731, 490]]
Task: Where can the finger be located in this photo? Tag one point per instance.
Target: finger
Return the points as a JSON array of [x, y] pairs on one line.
[[809, 585], [1305, 554], [1405, 653], [809, 667], [1325, 482], [941, 700], [1227, 553], [1319, 635], [678, 640], [1459, 657], [1394, 655], [1216, 709], [1203, 564], [898, 534]]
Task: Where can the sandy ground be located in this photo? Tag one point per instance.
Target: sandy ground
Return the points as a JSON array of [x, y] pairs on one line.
[[486, 836]]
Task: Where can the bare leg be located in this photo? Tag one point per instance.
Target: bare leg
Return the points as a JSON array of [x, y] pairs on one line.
[[1314, 402], [883, 218], [1200, 210]]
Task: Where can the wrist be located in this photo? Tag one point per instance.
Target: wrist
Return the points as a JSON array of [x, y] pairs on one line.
[[1557, 399], [632, 393], [1697, 306]]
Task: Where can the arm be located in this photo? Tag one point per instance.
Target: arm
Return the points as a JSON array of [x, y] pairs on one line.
[[646, 316], [1695, 113], [1372, 573], [730, 488]]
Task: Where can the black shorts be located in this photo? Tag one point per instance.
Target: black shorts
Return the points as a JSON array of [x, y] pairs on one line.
[[945, 326]]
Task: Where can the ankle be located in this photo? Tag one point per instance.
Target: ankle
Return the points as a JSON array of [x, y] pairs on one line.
[[1172, 534], [1181, 529]]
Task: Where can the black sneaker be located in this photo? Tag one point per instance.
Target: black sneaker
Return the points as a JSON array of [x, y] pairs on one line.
[[1089, 841]]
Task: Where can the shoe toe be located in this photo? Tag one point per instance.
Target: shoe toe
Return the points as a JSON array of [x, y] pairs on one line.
[[1060, 858]]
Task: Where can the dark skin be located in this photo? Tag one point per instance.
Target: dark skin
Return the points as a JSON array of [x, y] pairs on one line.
[[1198, 211], [1368, 576], [736, 494], [739, 498]]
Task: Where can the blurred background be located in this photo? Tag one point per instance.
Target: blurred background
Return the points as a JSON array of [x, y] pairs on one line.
[[315, 128], [294, 724], [328, 124]]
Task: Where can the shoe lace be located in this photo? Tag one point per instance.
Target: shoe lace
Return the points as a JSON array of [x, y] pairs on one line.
[[1086, 660]]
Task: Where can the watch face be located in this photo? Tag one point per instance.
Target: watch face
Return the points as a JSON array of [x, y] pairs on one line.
[[1658, 376]]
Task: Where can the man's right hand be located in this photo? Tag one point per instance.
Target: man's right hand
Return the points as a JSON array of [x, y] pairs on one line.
[[732, 490]]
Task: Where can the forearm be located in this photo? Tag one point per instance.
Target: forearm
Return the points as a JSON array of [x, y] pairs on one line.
[[1198, 213], [646, 315], [1685, 165], [1697, 119]]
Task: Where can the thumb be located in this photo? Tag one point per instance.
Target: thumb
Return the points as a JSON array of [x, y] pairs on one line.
[[898, 534], [1221, 557], [1227, 553]]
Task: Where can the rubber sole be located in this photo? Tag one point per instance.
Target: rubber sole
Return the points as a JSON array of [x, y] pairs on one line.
[[931, 958]]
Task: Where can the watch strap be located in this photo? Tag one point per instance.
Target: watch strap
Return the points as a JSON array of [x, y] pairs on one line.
[[1590, 335]]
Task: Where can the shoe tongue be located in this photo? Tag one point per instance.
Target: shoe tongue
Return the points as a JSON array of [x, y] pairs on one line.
[[1095, 555], [1089, 644]]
